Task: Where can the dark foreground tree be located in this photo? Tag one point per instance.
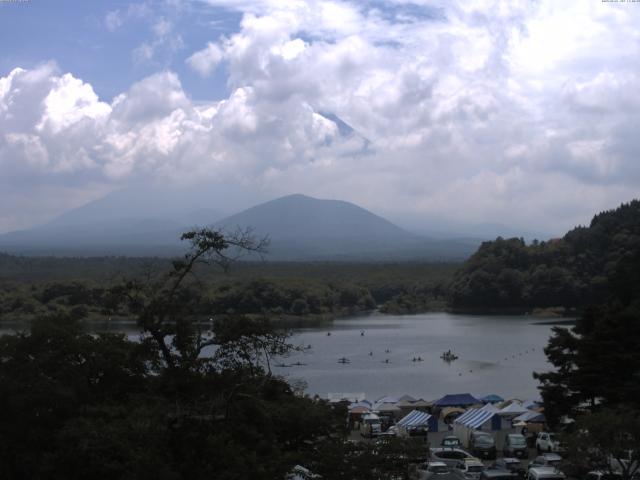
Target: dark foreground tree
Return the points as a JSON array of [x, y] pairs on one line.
[[597, 363], [606, 441], [185, 402]]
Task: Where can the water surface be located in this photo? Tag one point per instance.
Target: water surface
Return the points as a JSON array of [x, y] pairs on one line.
[[497, 354]]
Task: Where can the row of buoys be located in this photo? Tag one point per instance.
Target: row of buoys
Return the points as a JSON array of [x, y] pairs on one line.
[[519, 354]]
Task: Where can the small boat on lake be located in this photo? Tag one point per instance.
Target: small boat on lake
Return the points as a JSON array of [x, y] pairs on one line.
[[448, 356], [344, 360]]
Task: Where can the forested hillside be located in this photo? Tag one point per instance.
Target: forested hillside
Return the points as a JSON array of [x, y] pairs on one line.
[[572, 272], [34, 286]]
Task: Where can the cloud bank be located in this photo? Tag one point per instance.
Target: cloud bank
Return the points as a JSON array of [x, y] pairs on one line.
[[519, 112]]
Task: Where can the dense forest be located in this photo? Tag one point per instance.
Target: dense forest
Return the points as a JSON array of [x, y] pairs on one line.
[[571, 272], [83, 287]]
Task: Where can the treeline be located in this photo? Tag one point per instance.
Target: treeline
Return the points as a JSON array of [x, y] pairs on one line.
[[34, 287], [572, 272]]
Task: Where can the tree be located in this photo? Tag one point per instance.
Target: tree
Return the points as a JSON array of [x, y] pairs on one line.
[[75, 404], [597, 363], [164, 305], [607, 441]]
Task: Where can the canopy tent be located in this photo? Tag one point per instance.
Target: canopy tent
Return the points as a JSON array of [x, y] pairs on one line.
[[457, 400], [477, 419], [385, 407], [514, 408], [422, 404], [492, 398], [359, 410], [407, 398], [474, 418], [362, 403], [387, 399], [417, 419], [531, 404], [489, 407], [530, 417]]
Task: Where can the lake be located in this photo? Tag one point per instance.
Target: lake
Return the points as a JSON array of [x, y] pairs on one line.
[[497, 354]]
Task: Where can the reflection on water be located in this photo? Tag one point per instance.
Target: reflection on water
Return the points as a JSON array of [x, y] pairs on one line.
[[496, 354]]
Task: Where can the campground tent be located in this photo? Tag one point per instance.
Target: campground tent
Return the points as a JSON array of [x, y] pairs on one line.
[[530, 417], [492, 398], [478, 419], [457, 400], [418, 420], [512, 410]]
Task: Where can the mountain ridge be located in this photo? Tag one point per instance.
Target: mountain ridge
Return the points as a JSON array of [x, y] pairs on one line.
[[300, 227]]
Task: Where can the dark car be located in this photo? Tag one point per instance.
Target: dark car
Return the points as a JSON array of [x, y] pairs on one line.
[[498, 474], [546, 460], [451, 441], [510, 464], [515, 445], [450, 456], [482, 445]]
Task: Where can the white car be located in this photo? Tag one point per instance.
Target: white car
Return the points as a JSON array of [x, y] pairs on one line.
[[545, 473], [548, 442], [471, 468], [432, 469]]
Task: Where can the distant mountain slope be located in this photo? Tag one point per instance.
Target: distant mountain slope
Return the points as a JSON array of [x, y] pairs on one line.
[[300, 227], [571, 272], [134, 221], [305, 228], [299, 216]]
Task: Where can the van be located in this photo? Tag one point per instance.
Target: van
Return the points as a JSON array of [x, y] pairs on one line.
[[515, 445], [482, 445], [370, 426]]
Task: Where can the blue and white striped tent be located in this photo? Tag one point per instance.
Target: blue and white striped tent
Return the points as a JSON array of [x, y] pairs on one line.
[[416, 418], [475, 418]]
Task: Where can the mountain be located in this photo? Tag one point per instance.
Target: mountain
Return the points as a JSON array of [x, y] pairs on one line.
[[305, 228], [131, 222]]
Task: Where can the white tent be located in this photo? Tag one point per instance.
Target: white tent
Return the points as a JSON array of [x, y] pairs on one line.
[[513, 410]]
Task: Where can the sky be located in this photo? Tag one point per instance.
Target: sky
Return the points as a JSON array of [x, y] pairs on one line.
[[524, 113]]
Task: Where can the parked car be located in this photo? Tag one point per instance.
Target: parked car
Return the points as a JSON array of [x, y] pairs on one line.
[[482, 445], [598, 475], [471, 468], [515, 445], [548, 442], [433, 469], [545, 473], [450, 456], [371, 426], [498, 474], [451, 441], [623, 461], [510, 464], [546, 460]]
